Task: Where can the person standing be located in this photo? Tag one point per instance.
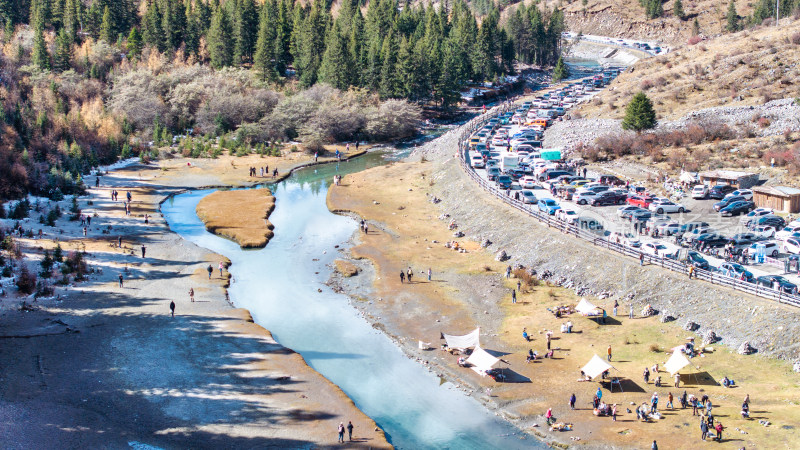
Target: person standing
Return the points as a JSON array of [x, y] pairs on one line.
[[513, 296], [572, 400], [630, 314], [646, 375], [409, 274], [341, 431], [172, 308], [221, 266], [703, 429], [641, 259], [654, 446], [614, 412], [429, 274], [191, 294], [549, 416], [210, 271], [669, 401], [609, 352], [548, 339], [120, 279], [350, 430], [508, 272], [599, 394], [402, 276], [719, 429], [616, 305], [119, 241], [143, 250], [677, 380]]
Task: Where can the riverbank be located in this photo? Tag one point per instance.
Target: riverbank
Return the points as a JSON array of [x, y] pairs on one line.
[[469, 289], [104, 365]]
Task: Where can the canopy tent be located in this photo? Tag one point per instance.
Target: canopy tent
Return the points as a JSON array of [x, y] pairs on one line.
[[586, 308], [481, 361], [462, 342], [676, 362], [689, 177], [596, 366]]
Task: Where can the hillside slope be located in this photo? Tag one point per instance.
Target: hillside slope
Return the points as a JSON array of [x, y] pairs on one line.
[[762, 66]]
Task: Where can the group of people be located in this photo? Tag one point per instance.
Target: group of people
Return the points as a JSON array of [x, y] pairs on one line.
[[406, 275], [264, 171]]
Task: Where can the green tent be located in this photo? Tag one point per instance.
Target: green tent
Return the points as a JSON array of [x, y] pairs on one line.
[[551, 155]]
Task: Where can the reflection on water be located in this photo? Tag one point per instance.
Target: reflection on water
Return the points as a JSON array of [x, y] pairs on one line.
[[283, 287]]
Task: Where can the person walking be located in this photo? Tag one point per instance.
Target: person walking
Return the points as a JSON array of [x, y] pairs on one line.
[[572, 400], [548, 339], [341, 431], [143, 250], [119, 241], [669, 401], [691, 272], [614, 412], [654, 402], [646, 375], [694, 406], [402, 276], [508, 272], [429, 274], [609, 353], [599, 394], [350, 430], [641, 259], [210, 271], [519, 285], [409, 274], [719, 429], [630, 314], [221, 266], [677, 380], [549, 416], [191, 294], [513, 296], [120, 280], [172, 308], [654, 446], [616, 305], [703, 429]]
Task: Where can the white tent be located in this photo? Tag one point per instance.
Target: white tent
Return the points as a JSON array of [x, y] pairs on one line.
[[689, 177], [596, 366], [461, 342], [586, 308], [676, 362], [481, 360]]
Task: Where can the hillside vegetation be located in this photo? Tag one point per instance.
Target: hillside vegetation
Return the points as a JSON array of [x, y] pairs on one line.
[[764, 64]]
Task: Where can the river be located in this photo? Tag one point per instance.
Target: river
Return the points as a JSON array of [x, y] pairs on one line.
[[281, 285]]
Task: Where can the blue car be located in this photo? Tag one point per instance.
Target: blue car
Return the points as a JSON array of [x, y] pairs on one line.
[[548, 205]]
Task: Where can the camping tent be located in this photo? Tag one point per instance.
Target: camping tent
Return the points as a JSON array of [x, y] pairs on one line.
[[596, 366], [461, 342], [586, 308], [676, 362], [481, 360]]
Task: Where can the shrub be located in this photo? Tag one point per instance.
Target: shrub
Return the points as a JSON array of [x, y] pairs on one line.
[[655, 348], [795, 38], [646, 84], [694, 40], [763, 122], [26, 280]]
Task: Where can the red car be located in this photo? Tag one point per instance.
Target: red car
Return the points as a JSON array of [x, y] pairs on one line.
[[640, 200]]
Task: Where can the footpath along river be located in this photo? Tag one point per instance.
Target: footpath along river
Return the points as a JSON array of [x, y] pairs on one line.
[[279, 285]]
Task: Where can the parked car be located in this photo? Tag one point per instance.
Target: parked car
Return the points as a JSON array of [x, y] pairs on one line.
[[746, 193], [771, 248], [787, 231], [777, 282], [736, 208], [529, 197], [667, 206], [611, 180], [711, 240], [764, 231], [640, 215], [720, 191], [737, 271], [688, 227], [504, 182], [527, 182], [583, 198], [567, 215], [792, 246], [700, 191], [668, 228], [740, 243], [625, 239], [639, 200], [477, 162], [657, 249], [493, 173], [608, 198], [548, 205], [727, 201], [758, 212], [773, 221], [623, 211], [696, 259]]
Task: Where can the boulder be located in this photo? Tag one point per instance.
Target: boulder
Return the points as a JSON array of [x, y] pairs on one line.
[[746, 349], [486, 243], [501, 256], [710, 337], [666, 317], [458, 234], [648, 311], [690, 326]]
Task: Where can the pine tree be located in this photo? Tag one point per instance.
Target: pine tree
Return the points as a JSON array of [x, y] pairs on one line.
[[265, 46], [389, 84], [732, 18], [71, 19], [220, 45], [695, 27], [639, 115], [677, 9], [152, 32], [39, 56], [134, 45], [246, 30], [335, 66], [63, 54], [94, 18], [561, 71], [106, 27]]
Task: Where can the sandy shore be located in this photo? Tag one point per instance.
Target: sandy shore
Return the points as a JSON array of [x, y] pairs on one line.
[[469, 289], [100, 365]]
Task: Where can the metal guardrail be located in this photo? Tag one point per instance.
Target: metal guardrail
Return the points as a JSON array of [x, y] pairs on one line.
[[574, 230]]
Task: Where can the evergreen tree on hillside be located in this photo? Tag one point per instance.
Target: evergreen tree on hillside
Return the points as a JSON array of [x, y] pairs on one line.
[[106, 27], [246, 30], [335, 66], [654, 9], [265, 47], [732, 18], [153, 33], [134, 45], [39, 56], [677, 9], [561, 71], [63, 54], [220, 43], [639, 115]]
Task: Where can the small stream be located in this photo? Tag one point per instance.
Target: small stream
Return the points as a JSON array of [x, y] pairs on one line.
[[279, 285]]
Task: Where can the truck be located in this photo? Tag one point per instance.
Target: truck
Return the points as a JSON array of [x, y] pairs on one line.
[[508, 162]]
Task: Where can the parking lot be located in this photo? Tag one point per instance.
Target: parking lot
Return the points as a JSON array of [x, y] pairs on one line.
[[612, 224]]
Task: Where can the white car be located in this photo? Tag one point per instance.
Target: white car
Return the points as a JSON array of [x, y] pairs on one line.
[[764, 231], [700, 191], [658, 249], [567, 215], [584, 198], [624, 209], [771, 248], [791, 246], [528, 197], [755, 214], [788, 231], [746, 193], [527, 182], [666, 207], [477, 162]]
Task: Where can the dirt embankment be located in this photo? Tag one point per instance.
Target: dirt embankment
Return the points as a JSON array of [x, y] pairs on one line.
[[104, 364], [239, 215]]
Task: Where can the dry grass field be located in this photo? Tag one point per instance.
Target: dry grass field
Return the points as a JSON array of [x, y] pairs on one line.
[[239, 215]]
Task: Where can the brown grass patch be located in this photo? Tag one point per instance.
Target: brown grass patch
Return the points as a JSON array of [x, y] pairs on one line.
[[346, 268], [239, 215]]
